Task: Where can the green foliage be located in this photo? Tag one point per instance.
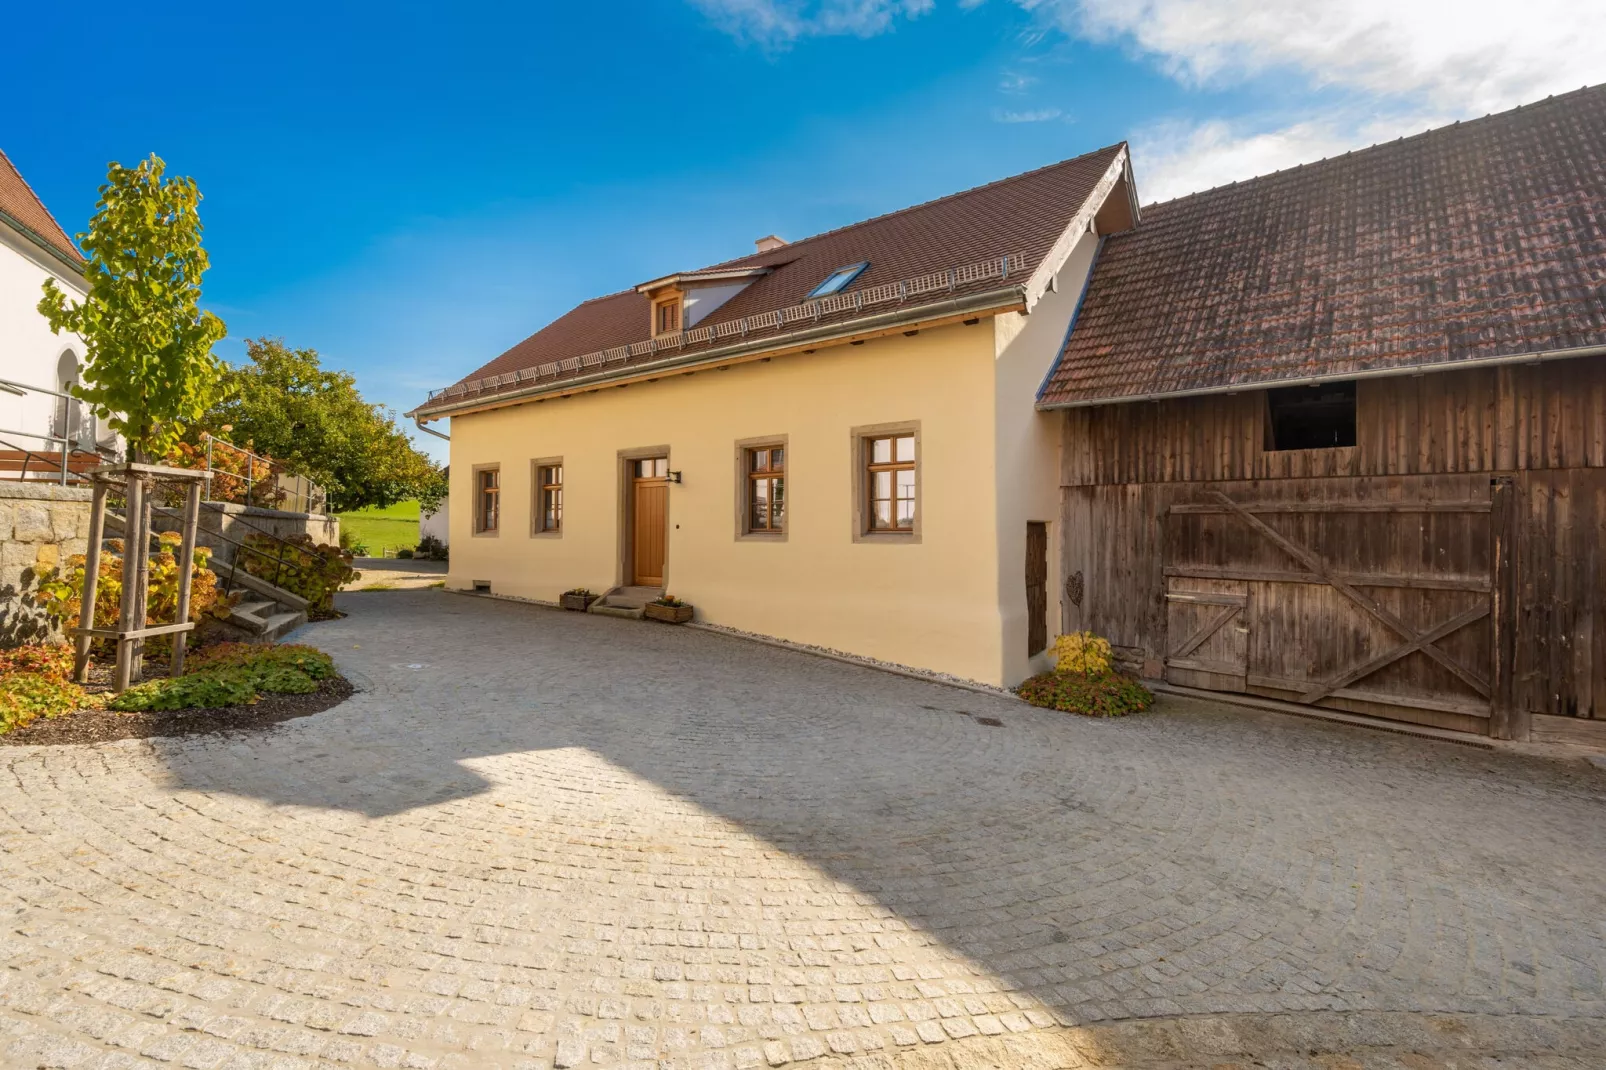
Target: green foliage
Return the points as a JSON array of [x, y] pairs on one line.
[[285, 404], [1083, 653], [233, 674], [205, 691], [298, 656], [286, 681], [351, 542], [150, 371], [404, 554], [52, 660], [27, 696], [300, 566], [1109, 695], [667, 600], [431, 547]]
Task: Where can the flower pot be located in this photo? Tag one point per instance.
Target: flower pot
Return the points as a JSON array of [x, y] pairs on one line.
[[667, 614], [577, 602]]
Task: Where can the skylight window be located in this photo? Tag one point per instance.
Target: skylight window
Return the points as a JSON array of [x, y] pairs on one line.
[[838, 280]]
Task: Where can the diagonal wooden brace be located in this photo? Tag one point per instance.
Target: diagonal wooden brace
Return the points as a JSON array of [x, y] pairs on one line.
[[1421, 642], [1387, 619], [1205, 631]]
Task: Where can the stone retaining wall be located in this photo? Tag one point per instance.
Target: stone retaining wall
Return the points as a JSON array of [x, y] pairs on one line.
[[41, 524], [222, 521]]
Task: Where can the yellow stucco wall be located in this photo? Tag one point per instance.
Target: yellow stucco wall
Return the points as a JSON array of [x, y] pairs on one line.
[[931, 603]]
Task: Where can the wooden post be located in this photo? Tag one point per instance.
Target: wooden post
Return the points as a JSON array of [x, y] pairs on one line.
[[131, 554], [1508, 718], [86, 615], [186, 561], [142, 572]]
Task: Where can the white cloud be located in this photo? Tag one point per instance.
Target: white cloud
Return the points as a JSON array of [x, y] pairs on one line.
[[1399, 66], [777, 23], [1176, 158], [1393, 66], [1471, 56], [1036, 115]]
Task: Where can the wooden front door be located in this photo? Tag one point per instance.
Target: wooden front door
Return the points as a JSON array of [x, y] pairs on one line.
[[649, 509]]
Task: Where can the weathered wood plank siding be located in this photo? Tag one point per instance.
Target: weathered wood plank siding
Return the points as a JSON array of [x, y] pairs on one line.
[[1522, 417], [1138, 479]]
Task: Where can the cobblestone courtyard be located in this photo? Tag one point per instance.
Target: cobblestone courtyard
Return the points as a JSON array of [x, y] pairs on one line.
[[542, 839]]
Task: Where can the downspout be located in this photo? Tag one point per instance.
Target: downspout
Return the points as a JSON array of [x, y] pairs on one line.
[[418, 421]]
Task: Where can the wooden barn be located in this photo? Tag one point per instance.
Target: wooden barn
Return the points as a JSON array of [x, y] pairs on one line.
[[1337, 435]]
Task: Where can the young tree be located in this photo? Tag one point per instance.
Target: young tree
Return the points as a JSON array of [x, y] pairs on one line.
[[315, 421], [150, 369]]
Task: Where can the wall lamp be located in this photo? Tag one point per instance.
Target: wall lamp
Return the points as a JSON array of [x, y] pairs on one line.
[[674, 477]]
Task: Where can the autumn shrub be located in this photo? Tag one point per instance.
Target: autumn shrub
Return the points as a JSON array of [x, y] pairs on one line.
[[1083, 653], [300, 566], [1109, 695], [27, 696], [298, 656], [237, 476], [51, 660], [61, 591], [1084, 681]]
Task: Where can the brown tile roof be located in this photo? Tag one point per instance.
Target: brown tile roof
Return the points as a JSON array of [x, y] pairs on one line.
[[22, 204], [1019, 217], [1479, 240]]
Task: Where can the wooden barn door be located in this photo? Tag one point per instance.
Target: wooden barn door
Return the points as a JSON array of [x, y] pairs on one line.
[[1376, 605]]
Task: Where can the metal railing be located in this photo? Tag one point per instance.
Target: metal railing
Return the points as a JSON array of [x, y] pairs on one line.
[[998, 267], [264, 482], [284, 555], [57, 464]]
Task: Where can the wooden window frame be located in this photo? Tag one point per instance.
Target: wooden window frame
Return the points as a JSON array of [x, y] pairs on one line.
[[480, 530], [678, 303], [862, 513], [744, 489], [538, 490]]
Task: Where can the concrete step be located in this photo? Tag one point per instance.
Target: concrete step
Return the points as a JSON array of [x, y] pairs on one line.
[[632, 598], [282, 623], [626, 612]]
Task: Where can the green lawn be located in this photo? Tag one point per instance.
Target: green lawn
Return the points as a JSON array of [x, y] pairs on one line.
[[384, 530]]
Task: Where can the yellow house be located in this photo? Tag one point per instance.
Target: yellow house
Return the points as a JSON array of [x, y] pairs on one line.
[[832, 441]]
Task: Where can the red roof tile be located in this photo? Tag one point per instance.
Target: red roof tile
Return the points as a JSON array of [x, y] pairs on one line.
[[22, 204], [1483, 239], [1019, 217]]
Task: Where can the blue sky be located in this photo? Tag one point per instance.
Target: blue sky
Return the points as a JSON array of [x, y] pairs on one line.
[[411, 189]]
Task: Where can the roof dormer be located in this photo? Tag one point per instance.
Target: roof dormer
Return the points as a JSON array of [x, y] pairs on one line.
[[685, 299]]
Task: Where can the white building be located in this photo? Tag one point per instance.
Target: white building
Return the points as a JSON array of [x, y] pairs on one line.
[[436, 524], [34, 247]]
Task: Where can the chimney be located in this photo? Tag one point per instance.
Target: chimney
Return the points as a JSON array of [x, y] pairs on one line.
[[768, 243]]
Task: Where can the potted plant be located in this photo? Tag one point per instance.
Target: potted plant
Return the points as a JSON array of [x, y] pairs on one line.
[[579, 599], [668, 609]]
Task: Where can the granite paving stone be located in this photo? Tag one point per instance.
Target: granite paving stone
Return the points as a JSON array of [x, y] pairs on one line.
[[546, 839]]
